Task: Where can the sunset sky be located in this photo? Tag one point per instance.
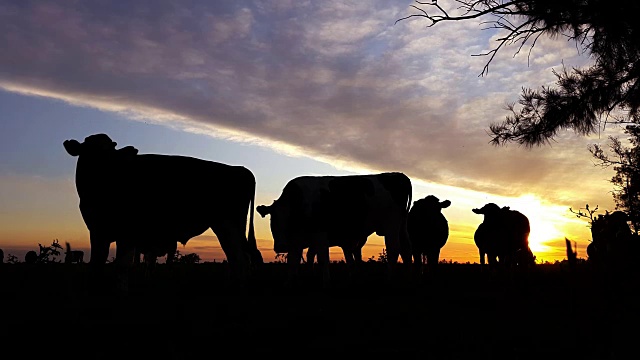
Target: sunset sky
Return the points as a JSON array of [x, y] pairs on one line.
[[285, 88]]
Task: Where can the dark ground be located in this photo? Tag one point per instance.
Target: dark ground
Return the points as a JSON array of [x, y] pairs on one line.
[[194, 311]]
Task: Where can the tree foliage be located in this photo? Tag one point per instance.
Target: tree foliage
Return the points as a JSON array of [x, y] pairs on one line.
[[49, 253], [191, 258], [625, 160], [582, 99]]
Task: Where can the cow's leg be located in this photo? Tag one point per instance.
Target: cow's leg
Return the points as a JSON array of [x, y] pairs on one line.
[[323, 263], [417, 261], [150, 259], [124, 262], [433, 255], [99, 253], [392, 242], [99, 248], [405, 245], [293, 263], [357, 253], [171, 253], [321, 243], [347, 252], [136, 256], [231, 242], [350, 259], [311, 256]]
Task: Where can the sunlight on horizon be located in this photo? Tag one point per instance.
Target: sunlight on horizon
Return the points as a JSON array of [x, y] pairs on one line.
[[545, 220]]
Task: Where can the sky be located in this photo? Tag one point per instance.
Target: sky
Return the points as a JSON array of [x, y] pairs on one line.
[[285, 88]]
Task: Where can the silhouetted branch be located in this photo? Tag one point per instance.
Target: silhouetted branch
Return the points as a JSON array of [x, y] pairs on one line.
[[534, 24], [588, 214]]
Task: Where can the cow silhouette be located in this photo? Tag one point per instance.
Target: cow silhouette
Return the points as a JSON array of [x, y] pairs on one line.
[[152, 201], [503, 236], [613, 243], [321, 211], [150, 254], [73, 256], [428, 230]]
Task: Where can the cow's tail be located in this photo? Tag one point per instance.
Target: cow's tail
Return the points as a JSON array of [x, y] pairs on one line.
[[409, 198], [404, 234], [256, 256]]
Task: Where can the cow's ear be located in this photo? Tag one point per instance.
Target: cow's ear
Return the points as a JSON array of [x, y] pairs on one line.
[[445, 204], [263, 210], [73, 147]]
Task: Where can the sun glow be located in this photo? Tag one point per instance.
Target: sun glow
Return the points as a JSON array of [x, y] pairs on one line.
[[545, 221]]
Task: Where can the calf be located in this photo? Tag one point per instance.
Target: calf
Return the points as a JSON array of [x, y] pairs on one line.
[[428, 230], [73, 256]]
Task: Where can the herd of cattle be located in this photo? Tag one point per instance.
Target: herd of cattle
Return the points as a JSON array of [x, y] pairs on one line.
[[148, 203]]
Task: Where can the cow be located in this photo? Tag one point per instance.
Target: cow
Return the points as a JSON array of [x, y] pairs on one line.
[[321, 211], [151, 254], [73, 256], [503, 236], [613, 243], [153, 201], [428, 230]]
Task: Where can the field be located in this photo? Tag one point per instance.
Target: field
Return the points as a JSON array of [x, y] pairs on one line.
[[192, 310]]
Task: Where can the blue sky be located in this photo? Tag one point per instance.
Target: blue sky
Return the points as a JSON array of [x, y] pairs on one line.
[[285, 88]]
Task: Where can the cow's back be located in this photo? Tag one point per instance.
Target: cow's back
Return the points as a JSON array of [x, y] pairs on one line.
[[348, 206], [172, 196], [399, 187]]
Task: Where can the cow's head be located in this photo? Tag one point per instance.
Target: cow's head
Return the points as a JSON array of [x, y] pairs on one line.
[[432, 204], [612, 227], [279, 223], [290, 216], [618, 217], [488, 210], [97, 144]]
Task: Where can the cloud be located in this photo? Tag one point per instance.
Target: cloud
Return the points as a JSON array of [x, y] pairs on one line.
[[334, 80]]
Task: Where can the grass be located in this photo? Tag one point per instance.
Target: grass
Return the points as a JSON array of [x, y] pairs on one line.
[[194, 310]]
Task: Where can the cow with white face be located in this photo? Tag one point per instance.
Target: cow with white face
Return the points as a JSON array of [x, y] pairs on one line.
[[324, 211], [151, 202]]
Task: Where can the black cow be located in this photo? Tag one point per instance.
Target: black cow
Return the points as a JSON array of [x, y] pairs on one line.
[[428, 230], [73, 256], [324, 211], [503, 236], [613, 243], [152, 201], [151, 254]]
